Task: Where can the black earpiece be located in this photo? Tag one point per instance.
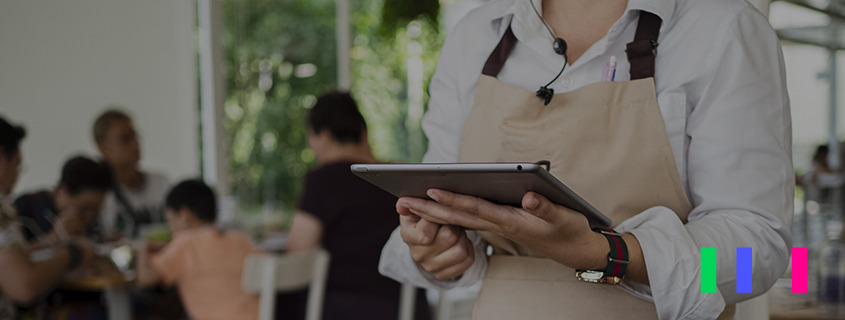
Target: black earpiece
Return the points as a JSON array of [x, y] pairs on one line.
[[559, 46]]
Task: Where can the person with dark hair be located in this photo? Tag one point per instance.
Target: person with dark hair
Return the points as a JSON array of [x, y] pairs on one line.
[[195, 196], [71, 208], [22, 279], [206, 264], [137, 197], [10, 141], [349, 217], [336, 114]]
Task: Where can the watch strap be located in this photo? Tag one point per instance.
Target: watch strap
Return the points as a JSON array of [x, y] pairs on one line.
[[617, 258]]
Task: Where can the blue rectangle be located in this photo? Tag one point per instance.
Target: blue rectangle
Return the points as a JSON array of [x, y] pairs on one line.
[[743, 270]]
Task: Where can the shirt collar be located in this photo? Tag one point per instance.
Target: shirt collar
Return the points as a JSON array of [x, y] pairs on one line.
[[664, 9], [522, 12]]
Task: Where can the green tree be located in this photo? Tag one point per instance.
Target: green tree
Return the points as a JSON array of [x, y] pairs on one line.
[[281, 55]]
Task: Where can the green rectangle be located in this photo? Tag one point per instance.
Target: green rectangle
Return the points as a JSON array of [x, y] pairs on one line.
[[708, 270]]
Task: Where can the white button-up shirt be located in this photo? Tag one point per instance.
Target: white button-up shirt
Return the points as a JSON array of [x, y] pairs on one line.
[[722, 93]]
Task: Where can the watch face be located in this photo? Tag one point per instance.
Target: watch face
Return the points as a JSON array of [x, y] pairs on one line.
[[592, 275], [589, 276], [596, 277]]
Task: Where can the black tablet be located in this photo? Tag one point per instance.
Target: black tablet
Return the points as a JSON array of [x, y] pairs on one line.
[[502, 183]]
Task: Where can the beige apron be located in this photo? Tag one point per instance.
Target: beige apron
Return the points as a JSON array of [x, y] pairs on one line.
[[607, 142]]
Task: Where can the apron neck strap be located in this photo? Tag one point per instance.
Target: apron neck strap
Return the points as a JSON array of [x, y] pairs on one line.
[[641, 51], [497, 58]]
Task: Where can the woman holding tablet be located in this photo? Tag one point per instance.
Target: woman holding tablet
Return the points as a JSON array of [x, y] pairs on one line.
[[671, 117]]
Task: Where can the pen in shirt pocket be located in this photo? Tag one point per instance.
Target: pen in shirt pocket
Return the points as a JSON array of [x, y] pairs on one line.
[[609, 71]]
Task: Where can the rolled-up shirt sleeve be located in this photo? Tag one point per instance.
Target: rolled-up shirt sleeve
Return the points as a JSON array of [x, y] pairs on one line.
[[740, 179]]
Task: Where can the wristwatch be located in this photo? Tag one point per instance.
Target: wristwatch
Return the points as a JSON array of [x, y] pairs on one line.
[[617, 261]]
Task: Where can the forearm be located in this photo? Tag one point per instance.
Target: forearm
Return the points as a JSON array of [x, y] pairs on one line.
[[636, 270], [48, 272], [594, 255], [147, 276], [23, 280], [305, 232]]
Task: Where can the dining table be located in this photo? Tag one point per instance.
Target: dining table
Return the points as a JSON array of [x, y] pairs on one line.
[[103, 275]]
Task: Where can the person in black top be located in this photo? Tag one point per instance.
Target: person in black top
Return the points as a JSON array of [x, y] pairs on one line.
[[349, 217], [70, 209]]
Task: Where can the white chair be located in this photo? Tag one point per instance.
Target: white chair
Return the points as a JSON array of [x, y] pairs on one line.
[[457, 303], [269, 274]]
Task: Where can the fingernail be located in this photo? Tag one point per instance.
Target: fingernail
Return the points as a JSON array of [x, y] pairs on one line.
[[533, 203], [432, 194]]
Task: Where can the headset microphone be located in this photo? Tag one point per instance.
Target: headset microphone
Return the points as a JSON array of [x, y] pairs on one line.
[[559, 47], [546, 94]]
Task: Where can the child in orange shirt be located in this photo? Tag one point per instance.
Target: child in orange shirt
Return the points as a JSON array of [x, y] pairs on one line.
[[205, 263]]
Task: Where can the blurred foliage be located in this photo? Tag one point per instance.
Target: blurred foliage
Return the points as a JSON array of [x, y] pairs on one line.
[[280, 56], [398, 13]]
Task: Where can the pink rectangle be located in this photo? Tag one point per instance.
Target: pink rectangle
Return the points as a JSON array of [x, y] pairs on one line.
[[799, 270]]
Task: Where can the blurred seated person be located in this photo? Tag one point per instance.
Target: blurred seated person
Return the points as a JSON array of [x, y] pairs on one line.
[[348, 216], [819, 182], [204, 263], [137, 197], [22, 280], [70, 209]]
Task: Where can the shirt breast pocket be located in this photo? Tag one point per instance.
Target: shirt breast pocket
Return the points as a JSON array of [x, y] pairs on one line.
[[673, 109]]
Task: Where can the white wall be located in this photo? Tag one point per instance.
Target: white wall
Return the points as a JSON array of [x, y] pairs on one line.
[[63, 62]]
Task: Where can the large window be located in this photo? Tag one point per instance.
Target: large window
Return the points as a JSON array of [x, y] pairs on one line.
[[281, 55]]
